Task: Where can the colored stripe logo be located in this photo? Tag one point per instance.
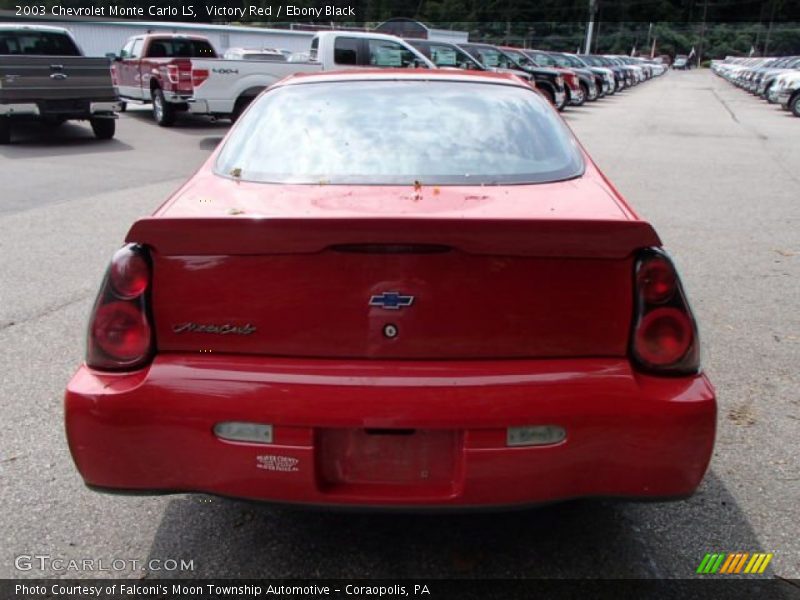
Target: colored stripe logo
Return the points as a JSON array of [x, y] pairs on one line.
[[733, 563]]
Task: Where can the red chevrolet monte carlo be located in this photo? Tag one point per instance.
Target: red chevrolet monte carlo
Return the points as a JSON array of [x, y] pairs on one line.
[[394, 289]]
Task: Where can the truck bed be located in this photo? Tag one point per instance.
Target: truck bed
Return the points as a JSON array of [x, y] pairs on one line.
[[229, 79]]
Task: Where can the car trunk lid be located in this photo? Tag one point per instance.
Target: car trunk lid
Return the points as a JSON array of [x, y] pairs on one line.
[[444, 283]]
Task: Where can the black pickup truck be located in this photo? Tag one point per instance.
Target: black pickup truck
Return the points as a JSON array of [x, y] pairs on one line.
[[44, 76]]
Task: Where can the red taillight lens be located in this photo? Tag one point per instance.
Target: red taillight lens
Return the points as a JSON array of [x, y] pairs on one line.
[[121, 330], [656, 279], [120, 337], [129, 273], [664, 335], [199, 76], [172, 73]]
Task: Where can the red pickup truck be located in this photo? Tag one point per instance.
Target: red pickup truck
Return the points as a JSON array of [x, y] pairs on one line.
[[157, 69]]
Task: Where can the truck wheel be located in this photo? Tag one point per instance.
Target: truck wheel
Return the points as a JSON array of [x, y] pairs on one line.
[[5, 130], [103, 128], [163, 112], [241, 104]]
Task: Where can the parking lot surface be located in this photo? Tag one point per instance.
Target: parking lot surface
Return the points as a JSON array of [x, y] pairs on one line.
[[716, 170]]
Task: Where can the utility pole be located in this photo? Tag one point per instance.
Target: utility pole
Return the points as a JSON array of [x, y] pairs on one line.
[[702, 33], [590, 26], [769, 27]]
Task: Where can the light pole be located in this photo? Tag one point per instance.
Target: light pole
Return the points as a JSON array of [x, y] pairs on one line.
[[590, 27]]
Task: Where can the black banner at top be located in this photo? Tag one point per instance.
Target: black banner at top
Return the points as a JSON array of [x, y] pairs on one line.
[[450, 14]]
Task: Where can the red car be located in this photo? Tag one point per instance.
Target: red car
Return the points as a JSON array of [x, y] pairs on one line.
[[403, 289]]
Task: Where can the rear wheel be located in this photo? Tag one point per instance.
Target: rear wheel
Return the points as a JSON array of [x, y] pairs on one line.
[[104, 129], [163, 111], [241, 104], [5, 130]]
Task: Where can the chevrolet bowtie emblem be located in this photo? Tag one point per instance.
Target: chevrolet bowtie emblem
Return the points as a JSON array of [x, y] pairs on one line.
[[391, 300]]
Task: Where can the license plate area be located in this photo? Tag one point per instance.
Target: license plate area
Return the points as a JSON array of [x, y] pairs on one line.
[[391, 462]]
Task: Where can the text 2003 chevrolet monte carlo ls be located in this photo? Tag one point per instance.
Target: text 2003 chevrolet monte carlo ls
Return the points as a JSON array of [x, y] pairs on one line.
[[395, 289]]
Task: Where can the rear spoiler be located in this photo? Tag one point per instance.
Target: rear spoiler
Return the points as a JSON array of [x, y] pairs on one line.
[[236, 235]]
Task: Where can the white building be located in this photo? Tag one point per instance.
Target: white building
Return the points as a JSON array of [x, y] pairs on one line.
[[98, 38]]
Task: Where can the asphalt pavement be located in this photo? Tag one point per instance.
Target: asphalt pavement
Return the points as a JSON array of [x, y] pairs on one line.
[[717, 172]]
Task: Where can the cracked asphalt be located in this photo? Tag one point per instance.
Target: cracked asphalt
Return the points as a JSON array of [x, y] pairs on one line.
[[716, 170]]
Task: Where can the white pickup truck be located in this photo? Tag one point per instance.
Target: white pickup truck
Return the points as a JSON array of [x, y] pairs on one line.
[[228, 86]]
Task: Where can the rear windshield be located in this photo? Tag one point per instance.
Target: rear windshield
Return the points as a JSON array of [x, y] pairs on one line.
[[180, 48], [401, 132], [44, 43]]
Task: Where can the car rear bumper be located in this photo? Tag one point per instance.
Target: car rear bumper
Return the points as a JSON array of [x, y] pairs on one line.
[[392, 434]]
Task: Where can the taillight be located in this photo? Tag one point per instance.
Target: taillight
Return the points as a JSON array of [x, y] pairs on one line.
[[664, 337], [114, 76], [199, 76], [172, 73], [120, 336]]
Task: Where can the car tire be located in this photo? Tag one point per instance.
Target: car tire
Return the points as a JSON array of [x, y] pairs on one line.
[[794, 104], [163, 111], [5, 130], [103, 129], [123, 106], [585, 90]]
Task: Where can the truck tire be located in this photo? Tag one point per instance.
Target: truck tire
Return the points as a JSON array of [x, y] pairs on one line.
[[103, 129], [5, 130], [241, 104], [163, 111]]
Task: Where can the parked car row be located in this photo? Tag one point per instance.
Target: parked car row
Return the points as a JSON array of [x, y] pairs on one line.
[[775, 79], [182, 73]]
